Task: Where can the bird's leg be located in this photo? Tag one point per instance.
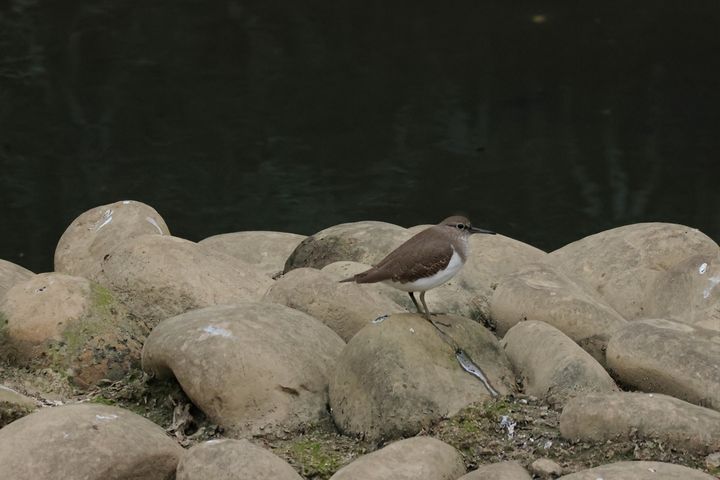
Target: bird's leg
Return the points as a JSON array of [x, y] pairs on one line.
[[412, 297], [427, 312]]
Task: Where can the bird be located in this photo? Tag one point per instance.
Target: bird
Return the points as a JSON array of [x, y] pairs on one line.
[[425, 261]]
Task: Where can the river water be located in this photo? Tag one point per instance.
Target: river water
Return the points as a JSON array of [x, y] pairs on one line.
[[544, 121]]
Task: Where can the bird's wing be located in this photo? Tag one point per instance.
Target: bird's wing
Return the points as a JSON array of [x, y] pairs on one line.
[[419, 257]]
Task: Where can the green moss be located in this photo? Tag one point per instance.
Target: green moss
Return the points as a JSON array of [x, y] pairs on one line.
[[316, 459], [103, 401]]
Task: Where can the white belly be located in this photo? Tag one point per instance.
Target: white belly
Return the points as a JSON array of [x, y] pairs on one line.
[[424, 284]]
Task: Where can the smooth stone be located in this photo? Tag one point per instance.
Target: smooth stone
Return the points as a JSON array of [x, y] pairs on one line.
[[88, 442], [71, 325], [417, 458], [267, 252], [228, 459], [490, 258], [98, 231], [540, 292], [397, 376], [552, 366], [14, 405], [627, 265], [544, 468], [686, 295], [639, 471], [674, 358], [252, 367], [161, 276], [10, 275], [365, 242], [601, 417], [498, 471], [344, 307]]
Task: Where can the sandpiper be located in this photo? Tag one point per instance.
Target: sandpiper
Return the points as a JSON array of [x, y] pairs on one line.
[[425, 261]]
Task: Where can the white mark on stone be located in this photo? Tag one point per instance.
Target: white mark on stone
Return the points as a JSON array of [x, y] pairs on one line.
[[547, 444], [215, 441], [651, 470], [66, 435], [126, 202], [217, 331], [650, 395], [412, 330], [380, 319], [106, 218], [112, 416], [702, 269], [508, 423], [154, 224], [714, 282]]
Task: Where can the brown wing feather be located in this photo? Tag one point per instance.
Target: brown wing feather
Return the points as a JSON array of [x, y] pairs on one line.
[[419, 257]]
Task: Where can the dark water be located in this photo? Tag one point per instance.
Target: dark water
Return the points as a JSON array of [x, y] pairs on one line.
[[545, 121]]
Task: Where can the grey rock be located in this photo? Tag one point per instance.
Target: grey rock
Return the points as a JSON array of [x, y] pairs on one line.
[[639, 471], [552, 366]]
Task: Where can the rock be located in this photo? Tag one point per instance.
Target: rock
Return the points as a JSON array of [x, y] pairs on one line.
[[14, 405], [601, 417], [86, 441], [627, 265], [498, 471], [97, 232], [161, 276], [251, 367], [71, 325], [490, 258], [364, 242], [639, 471], [418, 458], [668, 357], [551, 365], [348, 269], [10, 275], [265, 251], [344, 307], [545, 468], [712, 461], [688, 293], [396, 377], [540, 292], [233, 460]]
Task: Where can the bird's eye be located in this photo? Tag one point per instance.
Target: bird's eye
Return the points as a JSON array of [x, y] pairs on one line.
[[460, 226]]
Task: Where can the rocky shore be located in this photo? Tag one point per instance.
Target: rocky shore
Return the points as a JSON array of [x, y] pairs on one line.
[[147, 356]]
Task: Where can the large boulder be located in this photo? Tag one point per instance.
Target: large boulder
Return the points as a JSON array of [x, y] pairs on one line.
[[161, 276], [397, 376], [344, 307], [551, 365], [540, 292], [498, 471], [99, 231], [267, 252], [71, 325], [252, 367], [601, 417], [689, 292], [86, 442], [418, 458], [646, 270], [365, 242], [674, 358], [639, 471], [490, 258], [10, 275], [233, 460]]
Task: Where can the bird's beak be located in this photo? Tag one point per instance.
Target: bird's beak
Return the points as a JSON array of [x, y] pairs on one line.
[[480, 230]]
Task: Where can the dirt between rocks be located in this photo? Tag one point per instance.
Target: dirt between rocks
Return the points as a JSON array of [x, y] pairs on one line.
[[517, 428]]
